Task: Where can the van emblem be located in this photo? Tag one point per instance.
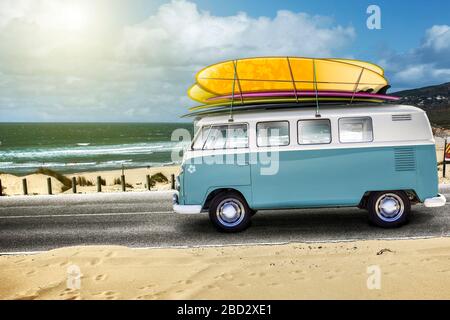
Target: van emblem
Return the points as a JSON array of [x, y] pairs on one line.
[[191, 169]]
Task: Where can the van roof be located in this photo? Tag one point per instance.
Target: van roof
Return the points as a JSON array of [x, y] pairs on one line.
[[309, 112]]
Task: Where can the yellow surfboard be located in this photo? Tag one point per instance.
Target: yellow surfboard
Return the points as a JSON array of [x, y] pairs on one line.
[[286, 74]]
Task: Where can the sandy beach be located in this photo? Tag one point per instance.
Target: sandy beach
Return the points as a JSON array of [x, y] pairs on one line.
[[408, 269]]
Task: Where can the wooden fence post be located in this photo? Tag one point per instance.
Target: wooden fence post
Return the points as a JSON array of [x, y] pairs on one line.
[[99, 184], [24, 186], [49, 185], [149, 187], [123, 183], [74, 185], [172, 182]]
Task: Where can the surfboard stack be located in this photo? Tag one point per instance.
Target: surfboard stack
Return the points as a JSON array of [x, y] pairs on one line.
[[271, 82]]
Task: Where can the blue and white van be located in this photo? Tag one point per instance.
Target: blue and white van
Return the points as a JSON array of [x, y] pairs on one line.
[[379, 158]]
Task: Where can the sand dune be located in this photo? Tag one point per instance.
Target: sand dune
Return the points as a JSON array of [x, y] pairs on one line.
[[135, 177], [36, 183], [410, 269]]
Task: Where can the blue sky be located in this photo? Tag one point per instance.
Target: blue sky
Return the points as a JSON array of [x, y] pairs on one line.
[[132, 60]]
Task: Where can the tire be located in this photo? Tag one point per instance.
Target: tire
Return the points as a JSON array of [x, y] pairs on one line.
[[229, 212], [389, 209]]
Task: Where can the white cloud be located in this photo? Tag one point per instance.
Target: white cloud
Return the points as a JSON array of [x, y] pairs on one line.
[[49, 70], [438, 38], [428, 64], [180, 34]]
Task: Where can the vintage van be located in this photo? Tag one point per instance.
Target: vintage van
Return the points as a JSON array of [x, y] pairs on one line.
[[379, 158]]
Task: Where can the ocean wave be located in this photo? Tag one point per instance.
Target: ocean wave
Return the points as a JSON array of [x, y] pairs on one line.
[[81, 165], [86, 151]]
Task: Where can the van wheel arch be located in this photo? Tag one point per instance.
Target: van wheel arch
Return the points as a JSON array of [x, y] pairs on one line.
[[411, 194], [216, 192]]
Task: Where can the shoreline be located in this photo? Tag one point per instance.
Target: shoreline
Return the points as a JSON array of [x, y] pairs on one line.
[[408, 269]]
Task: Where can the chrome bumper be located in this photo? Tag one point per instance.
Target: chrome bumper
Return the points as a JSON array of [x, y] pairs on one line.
[[184, 209], [438, 201]]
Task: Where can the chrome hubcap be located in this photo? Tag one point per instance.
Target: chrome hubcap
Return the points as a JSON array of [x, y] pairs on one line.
[[389, 207], [230, 212]]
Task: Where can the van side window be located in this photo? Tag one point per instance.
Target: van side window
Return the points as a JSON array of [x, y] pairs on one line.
[[314, 131], [227, 137], [275, 133], [355, 130]]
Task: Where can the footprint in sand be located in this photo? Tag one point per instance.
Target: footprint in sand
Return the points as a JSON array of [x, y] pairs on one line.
[[107, 295], [100, 277], [150, 286], [297, 272], [211, 287], [225, 276], [184, 282], [274, 284], [19, 261], [110, 254], [31, 273], [70, 294], [95, 262]]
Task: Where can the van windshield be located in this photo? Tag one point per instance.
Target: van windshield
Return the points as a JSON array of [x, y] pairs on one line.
[[200, 138], [221, 137]]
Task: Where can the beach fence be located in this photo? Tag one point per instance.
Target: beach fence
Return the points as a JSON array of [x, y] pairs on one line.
[[446, 156], [100, 183]]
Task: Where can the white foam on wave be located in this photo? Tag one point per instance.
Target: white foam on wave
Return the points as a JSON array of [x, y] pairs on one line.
[[85, 151]]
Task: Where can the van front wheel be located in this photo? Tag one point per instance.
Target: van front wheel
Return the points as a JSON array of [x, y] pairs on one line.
[[229, 212], [389, 209]]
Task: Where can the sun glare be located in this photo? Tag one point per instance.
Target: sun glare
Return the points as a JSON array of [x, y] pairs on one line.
[[73, 18]]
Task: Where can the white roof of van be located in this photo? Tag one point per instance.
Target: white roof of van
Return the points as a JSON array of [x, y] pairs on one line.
[[309, 112]]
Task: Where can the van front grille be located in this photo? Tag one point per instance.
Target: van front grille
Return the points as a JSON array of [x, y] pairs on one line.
[[405, 159], [401, 117]]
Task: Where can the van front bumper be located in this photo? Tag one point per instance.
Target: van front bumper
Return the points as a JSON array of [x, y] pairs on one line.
[[184, 209], [438, 201]]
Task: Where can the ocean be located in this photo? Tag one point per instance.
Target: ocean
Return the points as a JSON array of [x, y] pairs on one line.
[[77, 147]]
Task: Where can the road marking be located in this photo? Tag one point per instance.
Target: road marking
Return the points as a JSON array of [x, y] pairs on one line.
[[85, 215]]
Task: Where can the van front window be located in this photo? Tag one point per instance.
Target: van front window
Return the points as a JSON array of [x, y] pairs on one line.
[[227, 137], [200, 138]]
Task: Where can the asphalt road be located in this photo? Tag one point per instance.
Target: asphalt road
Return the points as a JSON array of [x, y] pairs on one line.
[[40, 223]]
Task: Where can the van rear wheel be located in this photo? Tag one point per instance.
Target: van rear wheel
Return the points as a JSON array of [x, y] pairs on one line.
[[229, 212], [389, 209]]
